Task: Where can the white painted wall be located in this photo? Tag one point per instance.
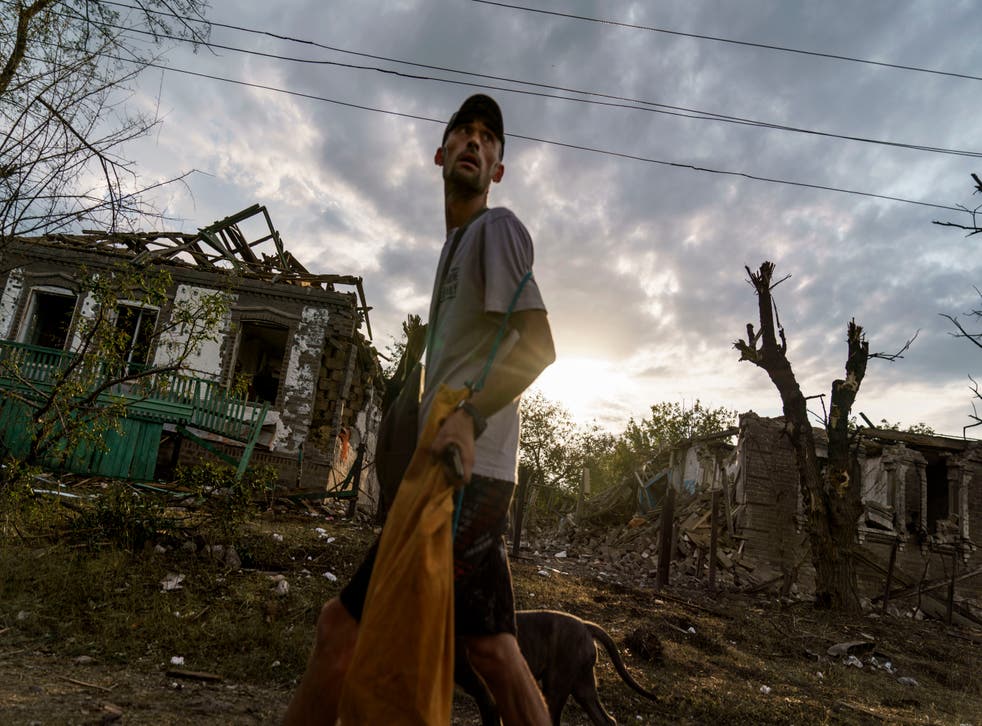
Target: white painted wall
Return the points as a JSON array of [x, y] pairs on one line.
[[300, 381], [12, 291], [86, 311], [206, 358]]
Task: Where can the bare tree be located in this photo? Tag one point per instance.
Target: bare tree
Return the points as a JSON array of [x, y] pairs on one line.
[[972, 227], [975, 339], [832, 497], [65, 70]]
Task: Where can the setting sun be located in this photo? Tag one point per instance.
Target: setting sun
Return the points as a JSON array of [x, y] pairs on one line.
[[589, 388]]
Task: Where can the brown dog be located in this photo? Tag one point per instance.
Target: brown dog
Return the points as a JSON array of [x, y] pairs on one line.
[[561, 654]]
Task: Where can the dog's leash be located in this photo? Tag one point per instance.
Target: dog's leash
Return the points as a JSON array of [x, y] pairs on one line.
[[454, 452]]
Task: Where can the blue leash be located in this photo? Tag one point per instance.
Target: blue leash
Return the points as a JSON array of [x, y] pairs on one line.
[[474, 387]]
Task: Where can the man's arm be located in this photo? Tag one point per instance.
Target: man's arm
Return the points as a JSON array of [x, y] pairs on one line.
[[507, 379]]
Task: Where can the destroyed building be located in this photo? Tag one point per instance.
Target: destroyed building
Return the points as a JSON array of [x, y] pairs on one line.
[[918, 535], [922, 519], [292, 354]]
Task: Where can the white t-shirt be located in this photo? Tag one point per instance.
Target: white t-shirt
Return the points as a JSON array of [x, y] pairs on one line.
[[493, 256]]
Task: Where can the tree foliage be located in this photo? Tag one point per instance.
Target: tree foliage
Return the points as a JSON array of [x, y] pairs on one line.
[[549, 439], [556, 448], [670, 422], [65, 68]]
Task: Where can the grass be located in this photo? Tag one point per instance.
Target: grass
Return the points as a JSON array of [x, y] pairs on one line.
[[71, 587]]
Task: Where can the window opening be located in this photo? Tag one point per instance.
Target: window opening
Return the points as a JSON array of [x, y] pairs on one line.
[[262, 347], [136, 324], [938, 499], [49, 319]]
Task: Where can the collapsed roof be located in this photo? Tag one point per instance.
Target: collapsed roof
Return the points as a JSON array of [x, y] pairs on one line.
[[220, 247]]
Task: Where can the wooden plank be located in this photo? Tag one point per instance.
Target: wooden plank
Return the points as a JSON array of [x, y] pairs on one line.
[[713, 539], [144, 461]]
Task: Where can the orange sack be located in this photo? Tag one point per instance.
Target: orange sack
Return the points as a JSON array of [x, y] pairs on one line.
[[402, 668]]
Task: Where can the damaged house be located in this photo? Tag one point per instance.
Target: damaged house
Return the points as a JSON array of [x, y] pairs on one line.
[[289, 380], [918, 535], [922, 518]]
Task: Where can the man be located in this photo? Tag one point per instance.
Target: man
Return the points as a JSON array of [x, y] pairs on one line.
[[477, 281]]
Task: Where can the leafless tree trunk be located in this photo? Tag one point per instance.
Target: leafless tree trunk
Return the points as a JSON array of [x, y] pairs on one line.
[[833, 497]]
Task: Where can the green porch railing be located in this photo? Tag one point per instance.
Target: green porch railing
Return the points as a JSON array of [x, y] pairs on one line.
[[154, 399]]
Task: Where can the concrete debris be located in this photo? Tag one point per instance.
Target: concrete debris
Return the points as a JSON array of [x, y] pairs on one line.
[[171, 581], [629, 552], [111, 713], [626, 553]]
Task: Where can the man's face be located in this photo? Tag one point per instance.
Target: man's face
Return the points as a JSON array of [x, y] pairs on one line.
[[471, 157]]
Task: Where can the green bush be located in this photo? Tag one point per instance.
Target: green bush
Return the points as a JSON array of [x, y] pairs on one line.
[[124, 517], [225, 502]]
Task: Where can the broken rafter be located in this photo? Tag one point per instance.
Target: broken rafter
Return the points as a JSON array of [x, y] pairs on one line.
[[219, 247]]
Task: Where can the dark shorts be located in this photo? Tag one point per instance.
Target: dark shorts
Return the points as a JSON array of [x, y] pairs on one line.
[[484, 603]]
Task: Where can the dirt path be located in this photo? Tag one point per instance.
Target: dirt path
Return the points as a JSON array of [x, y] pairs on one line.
[[38, 689]]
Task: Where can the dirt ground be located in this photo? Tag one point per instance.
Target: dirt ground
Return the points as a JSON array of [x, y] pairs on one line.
[[711, 658]]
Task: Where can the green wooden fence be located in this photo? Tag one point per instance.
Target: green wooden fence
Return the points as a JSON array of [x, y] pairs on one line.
[[28, 373]]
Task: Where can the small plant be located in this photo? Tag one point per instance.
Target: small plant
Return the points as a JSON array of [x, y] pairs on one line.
[[124, 517], [225, 502]]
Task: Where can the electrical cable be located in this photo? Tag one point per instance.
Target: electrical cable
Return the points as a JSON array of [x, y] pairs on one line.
[[551, 142], [718, 39], [745, 175], [625, 102]]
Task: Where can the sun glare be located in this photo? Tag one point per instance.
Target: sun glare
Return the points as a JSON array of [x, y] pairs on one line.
[[586, 387]]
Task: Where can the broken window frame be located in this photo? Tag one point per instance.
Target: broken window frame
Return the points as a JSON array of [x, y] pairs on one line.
[[237, 371], [955, 525], [922, 523], [142, 310], [28, 325]]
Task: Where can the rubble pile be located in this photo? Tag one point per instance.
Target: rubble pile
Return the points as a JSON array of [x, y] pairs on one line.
[[627, 553]]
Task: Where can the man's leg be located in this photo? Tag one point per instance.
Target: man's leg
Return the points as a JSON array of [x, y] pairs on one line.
[[500, 663], [316, 699], [484, 606]]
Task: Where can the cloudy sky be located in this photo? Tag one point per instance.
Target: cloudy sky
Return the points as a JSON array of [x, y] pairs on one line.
[[620, 160]]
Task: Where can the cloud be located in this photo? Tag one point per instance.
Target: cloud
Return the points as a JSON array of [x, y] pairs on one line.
[[642, 263]]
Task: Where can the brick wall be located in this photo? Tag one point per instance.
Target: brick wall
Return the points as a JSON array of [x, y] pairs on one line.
[[767, 489], [771, 523]]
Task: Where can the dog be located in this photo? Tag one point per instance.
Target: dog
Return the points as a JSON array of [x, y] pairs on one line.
[[561, 654]]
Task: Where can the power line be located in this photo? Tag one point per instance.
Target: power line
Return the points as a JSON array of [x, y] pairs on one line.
[[718, 39], [551, 142], [561, 144], [621, 101]]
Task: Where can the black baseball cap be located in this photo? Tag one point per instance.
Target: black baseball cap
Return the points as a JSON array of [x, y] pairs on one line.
[[480, 107]]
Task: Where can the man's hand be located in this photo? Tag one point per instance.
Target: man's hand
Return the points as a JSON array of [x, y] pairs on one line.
[[457, 430]]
